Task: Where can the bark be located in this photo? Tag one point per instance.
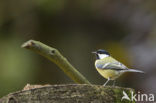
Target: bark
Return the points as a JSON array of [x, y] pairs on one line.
[[71, 93]]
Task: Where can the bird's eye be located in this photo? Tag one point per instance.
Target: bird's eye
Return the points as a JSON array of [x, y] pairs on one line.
[[99, 52]]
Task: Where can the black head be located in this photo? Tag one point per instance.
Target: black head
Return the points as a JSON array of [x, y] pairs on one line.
[[101, 51]]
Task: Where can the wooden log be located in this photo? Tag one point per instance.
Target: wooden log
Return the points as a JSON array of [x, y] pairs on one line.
[[70, 93]]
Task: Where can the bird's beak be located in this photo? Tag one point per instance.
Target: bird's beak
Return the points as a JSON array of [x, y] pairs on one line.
[[94, 52]]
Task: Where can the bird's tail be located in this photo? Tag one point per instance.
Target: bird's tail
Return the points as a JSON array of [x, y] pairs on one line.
[[134, 70]]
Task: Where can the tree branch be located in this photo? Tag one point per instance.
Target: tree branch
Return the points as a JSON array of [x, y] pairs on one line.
[[55, 56]]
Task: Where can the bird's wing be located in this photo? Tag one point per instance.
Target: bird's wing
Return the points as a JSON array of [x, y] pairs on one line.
[[115, 66]]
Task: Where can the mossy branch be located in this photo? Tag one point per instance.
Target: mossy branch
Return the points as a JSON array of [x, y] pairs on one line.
[[71, 93], [55, 56]]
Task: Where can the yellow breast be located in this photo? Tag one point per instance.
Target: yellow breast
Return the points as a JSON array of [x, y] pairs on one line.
[[112, 74], [107, 73]]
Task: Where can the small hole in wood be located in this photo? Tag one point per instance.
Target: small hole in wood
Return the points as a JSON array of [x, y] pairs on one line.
[[52, 52]]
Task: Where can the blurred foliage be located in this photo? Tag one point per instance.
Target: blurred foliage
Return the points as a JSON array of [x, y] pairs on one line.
[[125, 28]]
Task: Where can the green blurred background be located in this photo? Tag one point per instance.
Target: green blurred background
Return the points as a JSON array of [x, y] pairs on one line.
[[76, 28]]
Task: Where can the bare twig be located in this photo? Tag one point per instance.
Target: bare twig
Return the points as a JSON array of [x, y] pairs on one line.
[[55, 56]]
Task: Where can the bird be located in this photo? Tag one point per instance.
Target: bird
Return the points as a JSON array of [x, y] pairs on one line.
[[110, 68]]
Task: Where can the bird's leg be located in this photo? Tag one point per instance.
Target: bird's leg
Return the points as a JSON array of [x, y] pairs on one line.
[[114, 83], [106, 81]]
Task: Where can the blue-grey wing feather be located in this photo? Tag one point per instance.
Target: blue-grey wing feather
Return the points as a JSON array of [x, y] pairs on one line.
[[115, 66]]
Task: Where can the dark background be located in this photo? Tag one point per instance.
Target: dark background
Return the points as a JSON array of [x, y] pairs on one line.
[[76, 28]]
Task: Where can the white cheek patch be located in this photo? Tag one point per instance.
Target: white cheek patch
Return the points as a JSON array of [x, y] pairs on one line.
[[101, 56]]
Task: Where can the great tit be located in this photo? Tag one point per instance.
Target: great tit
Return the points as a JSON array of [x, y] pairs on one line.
[[109, 67]]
